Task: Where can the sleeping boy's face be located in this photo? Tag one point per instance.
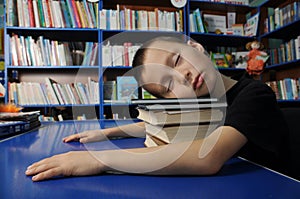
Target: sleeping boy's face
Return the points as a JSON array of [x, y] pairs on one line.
[[175, 70]]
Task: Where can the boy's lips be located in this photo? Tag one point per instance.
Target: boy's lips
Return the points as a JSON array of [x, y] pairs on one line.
[[198, 81]]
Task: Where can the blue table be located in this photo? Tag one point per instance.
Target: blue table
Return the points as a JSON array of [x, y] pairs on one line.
[[237, 179]]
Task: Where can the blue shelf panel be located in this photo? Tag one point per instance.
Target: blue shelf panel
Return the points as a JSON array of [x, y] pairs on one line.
[[220, 6], [52, 67], [294, 63], [58, 105], [290, 30], [49, 29], [212, 39]]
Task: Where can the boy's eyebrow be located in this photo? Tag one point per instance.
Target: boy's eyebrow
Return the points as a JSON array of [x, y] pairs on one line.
[[156, 89]]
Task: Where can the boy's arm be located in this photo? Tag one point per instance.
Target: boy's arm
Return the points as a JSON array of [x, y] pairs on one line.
[[200, 157]]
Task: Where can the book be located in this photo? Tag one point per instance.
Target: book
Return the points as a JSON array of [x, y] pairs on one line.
[[215, 23], [110, 90], [251, 26], [182, 106], [173, 101], [179, 133], [151, 141], [50, 90], [219, 60], [127, 88], [199, 21], [161, 117], [9, 128]]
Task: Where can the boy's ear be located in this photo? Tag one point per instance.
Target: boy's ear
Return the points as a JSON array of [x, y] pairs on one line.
[[195, 45]]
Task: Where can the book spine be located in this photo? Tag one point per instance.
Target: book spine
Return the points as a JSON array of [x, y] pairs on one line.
[[41, 13], [76, 14]]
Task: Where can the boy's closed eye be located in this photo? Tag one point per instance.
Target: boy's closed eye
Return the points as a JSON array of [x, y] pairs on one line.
[[177, 59]]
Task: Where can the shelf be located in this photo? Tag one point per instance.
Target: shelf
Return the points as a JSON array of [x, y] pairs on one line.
[[220, 39], [61, 34], [135, 36], [162, 3], [58, 105], [284, 65], [285, 32], [224, 7], [52, 67]]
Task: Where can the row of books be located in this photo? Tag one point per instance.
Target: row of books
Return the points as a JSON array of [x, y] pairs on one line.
[[286, 52], [123, 89], [286, 89], [51, 92], [27, 51], [124, 18], [170, 121], [282, 16], [18, 122], [52, 13], [118, 55]]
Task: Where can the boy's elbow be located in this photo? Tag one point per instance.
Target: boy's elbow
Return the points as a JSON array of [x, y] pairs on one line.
[[206, 167]]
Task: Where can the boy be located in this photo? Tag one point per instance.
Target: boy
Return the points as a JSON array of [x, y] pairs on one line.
[[254, 127]]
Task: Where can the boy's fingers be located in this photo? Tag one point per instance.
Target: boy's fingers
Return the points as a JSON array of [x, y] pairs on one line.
[[72, 137], [47, 174]]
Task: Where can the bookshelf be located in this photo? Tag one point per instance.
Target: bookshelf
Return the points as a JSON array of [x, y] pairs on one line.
[[88, 34], [281, 36], [227, 41]]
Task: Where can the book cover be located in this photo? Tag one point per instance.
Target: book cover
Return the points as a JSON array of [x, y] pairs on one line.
[[251, 26], [161, 117], [219, 60], [110, 90], [189, 106], [215, 23], [174, 101], [127, 88]]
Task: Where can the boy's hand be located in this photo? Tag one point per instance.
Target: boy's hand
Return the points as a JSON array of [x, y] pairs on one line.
[[87, 136], [79, 163]]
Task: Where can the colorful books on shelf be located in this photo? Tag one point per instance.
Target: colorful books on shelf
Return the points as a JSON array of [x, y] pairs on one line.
[[52, 13], [286, 89], [118, 55], [281, 16], [26, 51], [285, 52], [51, 92], [147, 18], [196, 22], [178, 120]]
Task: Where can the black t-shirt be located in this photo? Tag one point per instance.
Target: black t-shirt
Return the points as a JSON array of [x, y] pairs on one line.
[[254, 112]]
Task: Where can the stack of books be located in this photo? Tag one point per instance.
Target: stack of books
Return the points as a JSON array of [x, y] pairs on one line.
[[177, 120], [18, 122]]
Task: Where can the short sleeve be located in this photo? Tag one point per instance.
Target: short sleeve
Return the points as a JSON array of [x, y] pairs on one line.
[[255, 114]]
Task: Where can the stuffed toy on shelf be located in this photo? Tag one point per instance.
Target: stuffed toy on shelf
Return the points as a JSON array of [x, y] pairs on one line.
[[256, 58]]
